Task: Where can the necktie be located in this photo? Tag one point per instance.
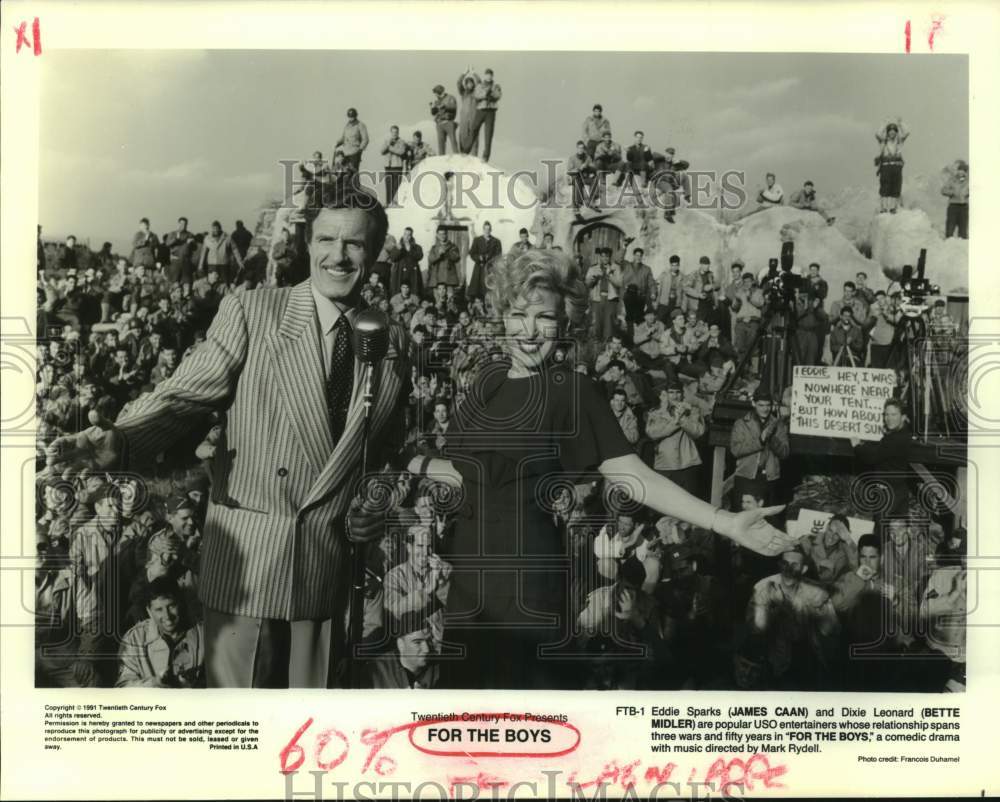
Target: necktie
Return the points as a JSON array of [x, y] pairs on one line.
[[605, 284], [340, 381]]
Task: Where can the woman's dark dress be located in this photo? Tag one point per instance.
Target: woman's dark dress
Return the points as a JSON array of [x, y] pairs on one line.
[[517, 442]]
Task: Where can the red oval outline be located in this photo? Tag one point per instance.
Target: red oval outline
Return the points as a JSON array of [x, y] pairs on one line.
[[468, 753]]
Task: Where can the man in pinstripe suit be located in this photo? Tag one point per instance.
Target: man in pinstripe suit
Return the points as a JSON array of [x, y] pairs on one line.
[[275, 559]]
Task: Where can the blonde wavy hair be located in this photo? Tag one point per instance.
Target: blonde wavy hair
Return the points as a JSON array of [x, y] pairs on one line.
[[512, 277]]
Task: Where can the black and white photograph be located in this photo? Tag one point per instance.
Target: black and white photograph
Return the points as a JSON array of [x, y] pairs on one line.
[[502, 370], [620, 376]]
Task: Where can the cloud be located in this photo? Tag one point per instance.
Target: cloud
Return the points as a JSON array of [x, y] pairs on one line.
[[749, 141], [764, 90], [727, 116], [644, 103]]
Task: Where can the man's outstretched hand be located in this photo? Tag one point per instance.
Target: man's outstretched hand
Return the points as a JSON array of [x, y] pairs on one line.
[[100, 446]]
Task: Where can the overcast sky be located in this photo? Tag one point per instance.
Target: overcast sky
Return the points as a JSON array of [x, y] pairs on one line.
[[127, 134]]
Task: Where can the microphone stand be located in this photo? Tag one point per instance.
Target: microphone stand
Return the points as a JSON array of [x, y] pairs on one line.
[[373, 340], [359, 553]]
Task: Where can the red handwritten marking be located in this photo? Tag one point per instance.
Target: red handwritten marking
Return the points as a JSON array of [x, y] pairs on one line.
[[482, 781], [470, 753], [322, 740], [293, 745], [36, 34], [655, 775], [907, 32], [609, 775], [748, 773], [937, 22]]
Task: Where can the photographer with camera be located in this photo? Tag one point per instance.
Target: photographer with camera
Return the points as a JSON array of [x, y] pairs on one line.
[[700, 289], [673, 342], [487, 94], [808, 328], [417, 151], [164, 650], [675, 425], [396, 150], [885, 310], [353, 140], [604, 280], [956, 189], [748, 301], [851, 299], [847, 341], [444, 108], [670, 292], [759, 441]]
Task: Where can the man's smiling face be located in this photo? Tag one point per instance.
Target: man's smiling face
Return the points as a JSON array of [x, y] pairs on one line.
[[339, 248]]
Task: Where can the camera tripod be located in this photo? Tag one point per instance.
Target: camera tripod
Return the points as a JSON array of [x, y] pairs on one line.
[[773, 337], [927, 397]]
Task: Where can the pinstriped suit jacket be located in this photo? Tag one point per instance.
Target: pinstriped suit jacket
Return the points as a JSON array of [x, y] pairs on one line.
[[274, 544]]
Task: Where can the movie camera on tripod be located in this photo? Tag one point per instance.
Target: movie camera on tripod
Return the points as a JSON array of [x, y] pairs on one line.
[[780, 284], [772, 343], [915, 290]]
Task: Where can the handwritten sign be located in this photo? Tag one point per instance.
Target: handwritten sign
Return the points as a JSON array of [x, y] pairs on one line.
[[840, 402], [813, 522]]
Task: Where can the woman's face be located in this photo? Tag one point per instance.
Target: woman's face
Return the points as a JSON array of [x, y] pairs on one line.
[[532, 327]]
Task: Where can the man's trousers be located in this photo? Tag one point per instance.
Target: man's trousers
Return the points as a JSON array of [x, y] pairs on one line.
[[446, 133], [245, 652], [486, 118]]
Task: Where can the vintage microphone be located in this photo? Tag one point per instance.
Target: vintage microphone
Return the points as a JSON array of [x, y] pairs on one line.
[[371, 343]]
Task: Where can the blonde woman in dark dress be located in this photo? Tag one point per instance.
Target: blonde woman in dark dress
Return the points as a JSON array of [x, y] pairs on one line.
[[528, 427]]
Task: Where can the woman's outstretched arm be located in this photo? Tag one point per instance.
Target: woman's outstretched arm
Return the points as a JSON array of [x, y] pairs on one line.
[[647, 487]]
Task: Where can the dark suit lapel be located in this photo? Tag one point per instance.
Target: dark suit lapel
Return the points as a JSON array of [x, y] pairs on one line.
[[298, 366]]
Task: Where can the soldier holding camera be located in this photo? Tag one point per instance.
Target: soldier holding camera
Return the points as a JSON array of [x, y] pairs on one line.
[[675, 425], [759, 442], [163, 651], [444, 107], [604, 281], [701, 289]]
